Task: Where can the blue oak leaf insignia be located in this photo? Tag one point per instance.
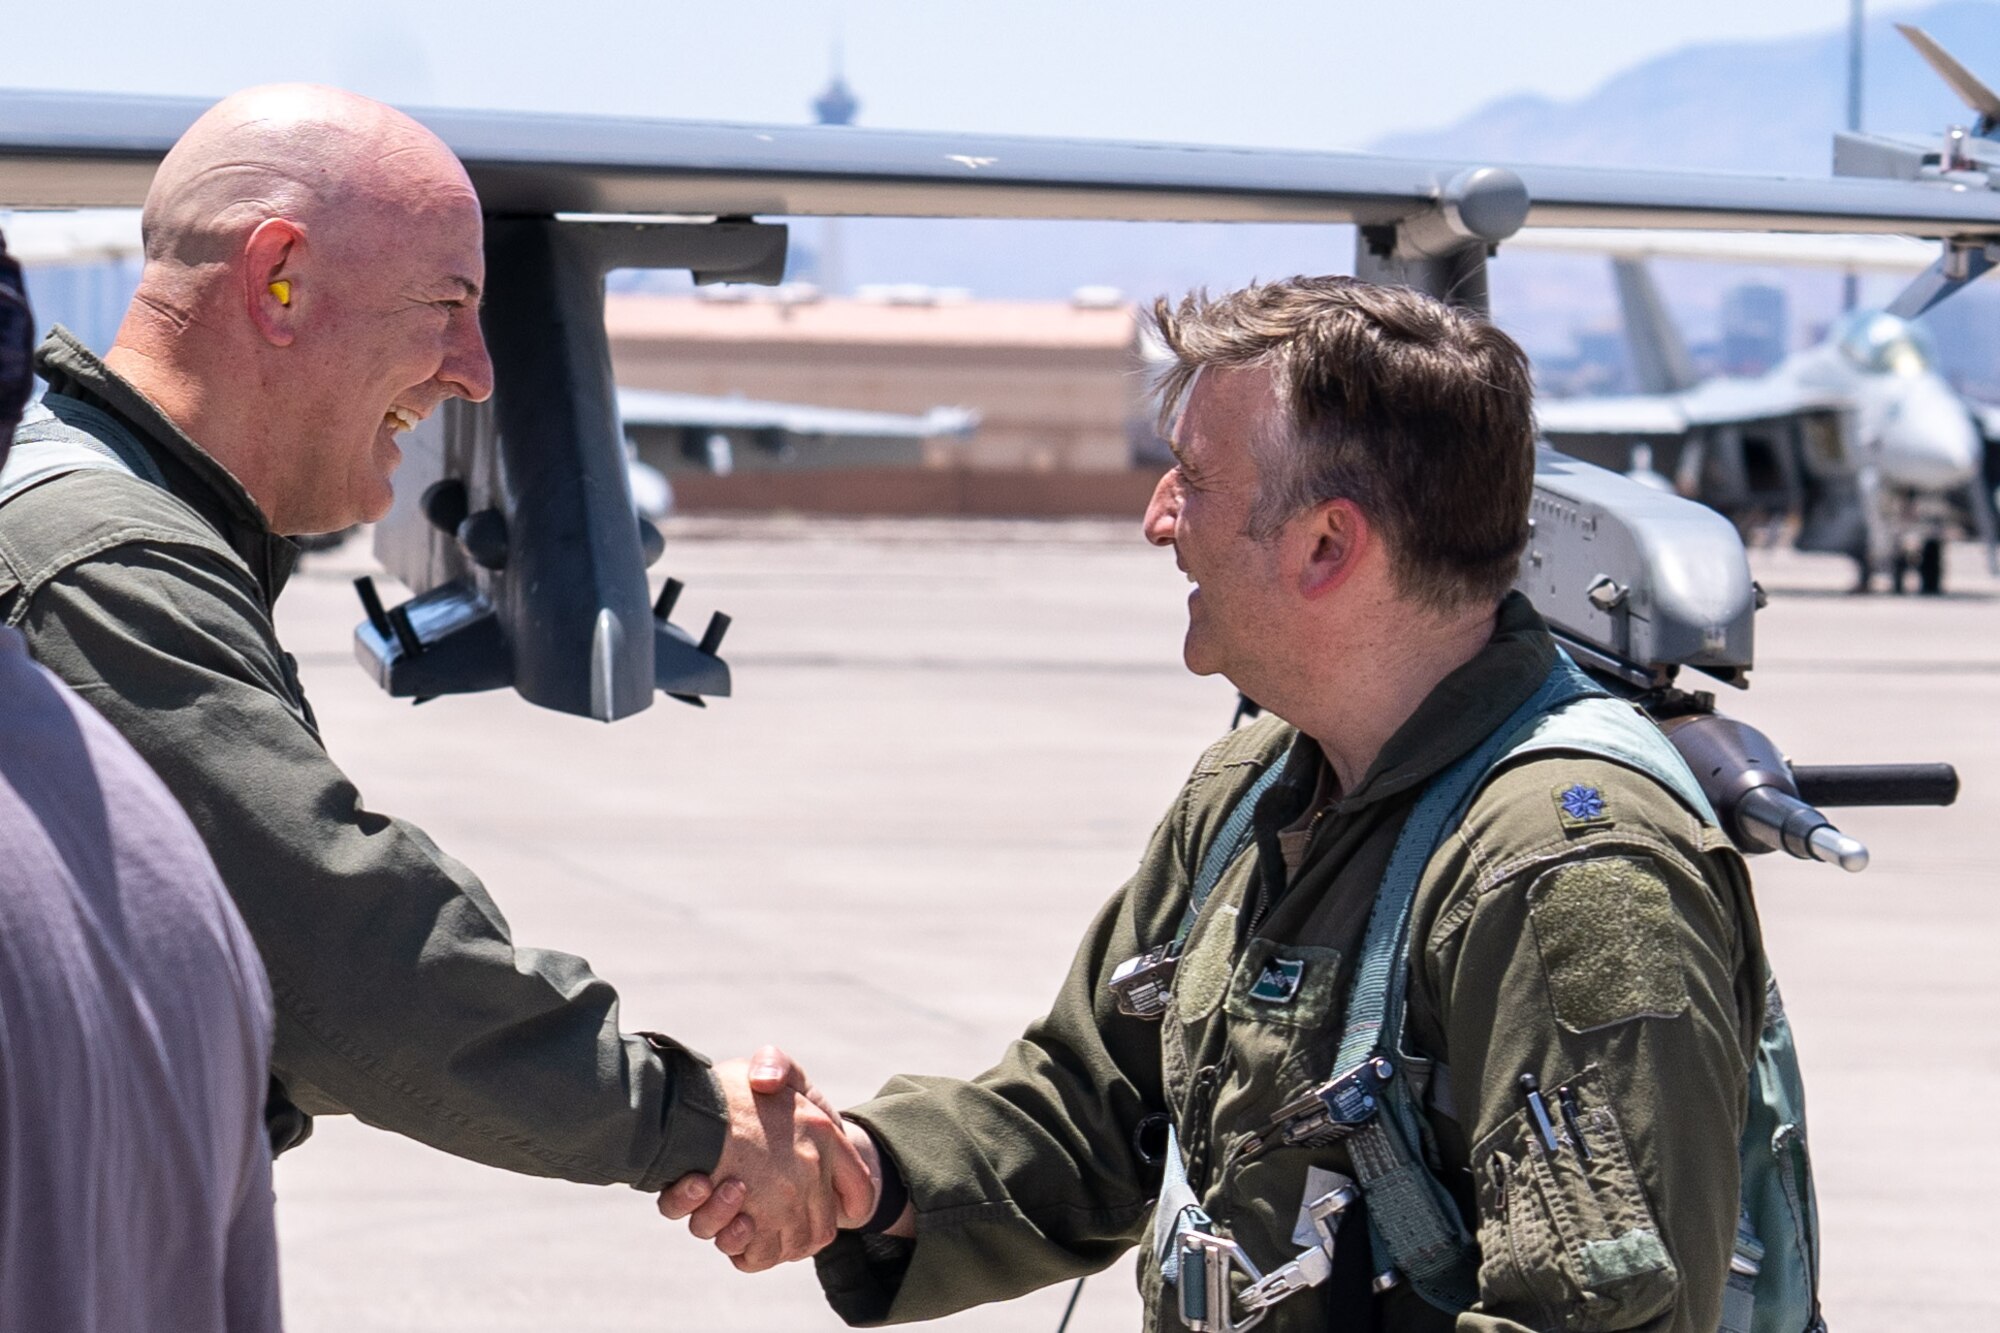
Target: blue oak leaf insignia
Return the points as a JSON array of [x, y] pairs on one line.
[[1581, 802]]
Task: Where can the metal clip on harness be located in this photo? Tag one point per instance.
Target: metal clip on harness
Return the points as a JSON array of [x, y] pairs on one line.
[[1329, 1112], [1208, 1262]]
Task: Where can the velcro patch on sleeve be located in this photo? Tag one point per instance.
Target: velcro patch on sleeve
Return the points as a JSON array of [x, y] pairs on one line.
[[1605, 930]]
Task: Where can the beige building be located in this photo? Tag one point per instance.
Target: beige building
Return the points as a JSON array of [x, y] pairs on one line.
[[1057, 385]]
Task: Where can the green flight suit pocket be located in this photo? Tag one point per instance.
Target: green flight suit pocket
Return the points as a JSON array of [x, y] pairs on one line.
[[1566, 1237]]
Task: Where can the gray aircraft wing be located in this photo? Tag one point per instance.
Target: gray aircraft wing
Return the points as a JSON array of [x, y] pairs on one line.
[[1880, 253], [75, 150], [690, 411], [1716, 402]]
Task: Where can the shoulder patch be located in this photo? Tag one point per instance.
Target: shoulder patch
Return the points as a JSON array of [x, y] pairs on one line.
[[1580, 805], [1608, 942]]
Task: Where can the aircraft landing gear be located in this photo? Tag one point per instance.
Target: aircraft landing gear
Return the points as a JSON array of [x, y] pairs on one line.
[[1928, 565]]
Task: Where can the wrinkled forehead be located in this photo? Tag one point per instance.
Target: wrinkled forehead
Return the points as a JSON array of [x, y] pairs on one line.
[[406, 234], [1230, 402], [1177, 423]]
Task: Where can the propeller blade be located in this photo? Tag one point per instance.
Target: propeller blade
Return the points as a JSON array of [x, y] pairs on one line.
[[1962, 80]]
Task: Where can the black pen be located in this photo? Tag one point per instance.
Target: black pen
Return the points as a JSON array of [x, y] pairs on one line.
[[1566, 1102], [1539, 1109]]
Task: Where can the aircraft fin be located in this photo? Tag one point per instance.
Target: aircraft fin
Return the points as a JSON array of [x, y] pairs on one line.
[[1659, 357], [1964, 82]]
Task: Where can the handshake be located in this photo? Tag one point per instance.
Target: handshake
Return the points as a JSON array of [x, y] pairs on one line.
[[791, 1172]]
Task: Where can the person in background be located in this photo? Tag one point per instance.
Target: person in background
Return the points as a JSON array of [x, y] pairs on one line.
[[135, 1020]]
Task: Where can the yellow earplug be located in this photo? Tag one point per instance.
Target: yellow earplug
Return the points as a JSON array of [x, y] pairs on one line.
[[283, 291]]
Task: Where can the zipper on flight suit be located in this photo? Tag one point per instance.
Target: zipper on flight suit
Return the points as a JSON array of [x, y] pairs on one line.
[[1264, 901], [1200, 1142]]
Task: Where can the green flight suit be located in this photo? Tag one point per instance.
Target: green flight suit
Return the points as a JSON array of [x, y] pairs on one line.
[[1581, 925], [401, 998]]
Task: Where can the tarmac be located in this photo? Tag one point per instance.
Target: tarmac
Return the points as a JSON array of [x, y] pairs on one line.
[[948, 744]]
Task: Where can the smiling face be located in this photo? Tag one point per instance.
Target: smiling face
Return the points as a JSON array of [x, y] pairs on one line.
[[388, 328], [1237, 611]]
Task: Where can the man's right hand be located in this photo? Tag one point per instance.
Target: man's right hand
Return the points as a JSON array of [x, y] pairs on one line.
[[788, 1176]]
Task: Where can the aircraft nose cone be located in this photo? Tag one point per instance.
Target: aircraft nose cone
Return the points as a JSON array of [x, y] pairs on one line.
[[1928, 441]]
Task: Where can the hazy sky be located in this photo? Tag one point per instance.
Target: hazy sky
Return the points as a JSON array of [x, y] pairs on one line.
[[1304, 73]]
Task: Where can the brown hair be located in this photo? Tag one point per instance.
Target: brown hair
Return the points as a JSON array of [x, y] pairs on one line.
[[1419, 412]]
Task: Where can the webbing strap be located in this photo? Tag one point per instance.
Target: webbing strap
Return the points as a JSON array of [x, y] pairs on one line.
[[1415, 1225], [1176, 1211], [60, 435], [1228, 844], [1375, 1001]]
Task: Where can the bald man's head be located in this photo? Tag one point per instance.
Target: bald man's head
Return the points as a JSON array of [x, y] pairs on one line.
[[286, 150], [313, 270]]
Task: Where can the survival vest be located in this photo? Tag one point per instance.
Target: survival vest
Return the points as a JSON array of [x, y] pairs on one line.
[[1416, 1232]]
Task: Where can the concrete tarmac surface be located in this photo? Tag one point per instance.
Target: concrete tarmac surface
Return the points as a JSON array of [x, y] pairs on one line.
[[948, 744]]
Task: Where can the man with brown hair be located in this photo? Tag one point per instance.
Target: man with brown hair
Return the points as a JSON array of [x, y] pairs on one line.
[[1543, 1126]]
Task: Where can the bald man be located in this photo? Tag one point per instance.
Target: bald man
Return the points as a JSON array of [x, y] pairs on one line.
[[311, 290]]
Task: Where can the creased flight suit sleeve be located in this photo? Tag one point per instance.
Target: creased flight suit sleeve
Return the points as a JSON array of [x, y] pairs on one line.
[[1028, 1174], [401, 996], [1608, 961]]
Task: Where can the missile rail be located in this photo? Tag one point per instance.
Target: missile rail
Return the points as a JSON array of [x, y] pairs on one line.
[[1637, 584]]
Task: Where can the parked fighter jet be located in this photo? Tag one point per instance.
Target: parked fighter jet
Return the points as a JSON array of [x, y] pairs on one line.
[[1857, 443]]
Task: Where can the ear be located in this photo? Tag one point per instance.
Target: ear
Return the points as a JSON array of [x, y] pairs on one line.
[[271, 290], [1336, 535]]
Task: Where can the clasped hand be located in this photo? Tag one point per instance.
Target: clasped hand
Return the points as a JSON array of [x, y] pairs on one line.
[[791, 1171]]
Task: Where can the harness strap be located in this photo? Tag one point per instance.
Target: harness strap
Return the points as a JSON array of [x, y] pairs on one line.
[[60, 435], [1230, 841], [1415, 1225]]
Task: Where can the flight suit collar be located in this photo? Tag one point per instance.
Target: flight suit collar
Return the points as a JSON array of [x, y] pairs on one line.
[[1464, 709], [193, 475]]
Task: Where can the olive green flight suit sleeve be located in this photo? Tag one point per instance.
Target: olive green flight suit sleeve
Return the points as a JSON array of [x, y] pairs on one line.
[[1613, 959], [401, 996], [1028, 1174]]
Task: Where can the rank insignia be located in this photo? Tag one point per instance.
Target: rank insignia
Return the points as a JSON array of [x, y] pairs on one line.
[[1581, 806], [1279, 981]]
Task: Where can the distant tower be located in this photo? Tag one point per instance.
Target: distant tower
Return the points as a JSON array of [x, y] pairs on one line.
[[1857, 31], [836, 105]]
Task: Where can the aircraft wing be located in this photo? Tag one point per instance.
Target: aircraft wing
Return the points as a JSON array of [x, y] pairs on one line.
[[76, 150], [648, 407], [1714, 402], [72, 237], [1719, 402], [1865, 253], [1639, 414]]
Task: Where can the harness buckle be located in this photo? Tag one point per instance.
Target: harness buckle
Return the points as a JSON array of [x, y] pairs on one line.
[[1142, 984], [1207, 1300], [1208, 1262], [1330, 1112]]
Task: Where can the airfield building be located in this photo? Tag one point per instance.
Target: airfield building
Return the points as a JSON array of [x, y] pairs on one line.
[[1064, 419]]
